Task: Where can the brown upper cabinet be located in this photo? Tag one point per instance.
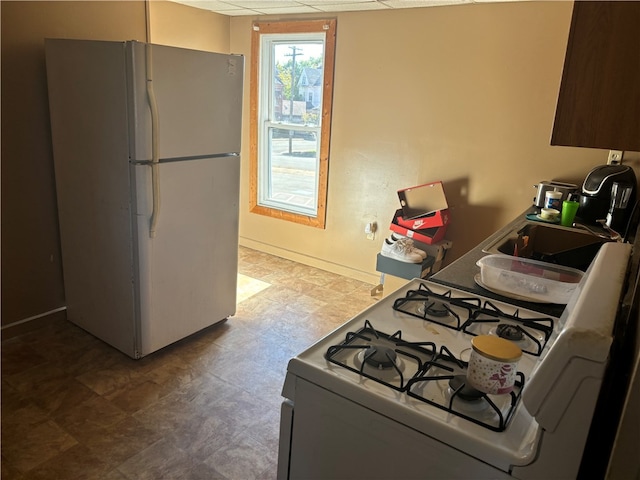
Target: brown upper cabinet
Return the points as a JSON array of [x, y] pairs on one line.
[[599, 100]]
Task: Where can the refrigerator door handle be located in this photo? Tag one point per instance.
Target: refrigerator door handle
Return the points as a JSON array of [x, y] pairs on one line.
[[155, 161]]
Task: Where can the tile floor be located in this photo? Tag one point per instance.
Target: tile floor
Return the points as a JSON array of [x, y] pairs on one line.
[[206, 407]]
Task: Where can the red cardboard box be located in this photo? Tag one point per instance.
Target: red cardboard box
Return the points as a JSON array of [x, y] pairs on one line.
[[422, 201], [424, 235], [433, 219]]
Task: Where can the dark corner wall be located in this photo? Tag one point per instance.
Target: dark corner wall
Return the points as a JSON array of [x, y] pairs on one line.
[[32, 281]]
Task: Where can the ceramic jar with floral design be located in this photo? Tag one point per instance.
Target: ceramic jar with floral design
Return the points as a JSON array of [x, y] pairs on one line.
[[493, 364]]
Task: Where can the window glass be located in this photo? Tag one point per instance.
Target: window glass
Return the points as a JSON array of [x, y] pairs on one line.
[[292, 72]]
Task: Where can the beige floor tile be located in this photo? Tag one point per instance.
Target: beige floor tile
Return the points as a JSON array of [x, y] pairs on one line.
[[164, 460], [207, 406], [245, 459], [30, 438], [78, 462]]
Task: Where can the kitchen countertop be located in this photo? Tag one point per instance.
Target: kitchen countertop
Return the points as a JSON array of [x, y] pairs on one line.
[[460, 274]]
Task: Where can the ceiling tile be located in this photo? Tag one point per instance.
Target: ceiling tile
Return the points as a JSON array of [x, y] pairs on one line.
[[214, 5], [337, 3], [239, 12], [281, 10], [421, 3], [347, 7], [261, 4]]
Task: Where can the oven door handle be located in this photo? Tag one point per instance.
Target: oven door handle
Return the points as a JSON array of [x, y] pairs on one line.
[[286, 436]]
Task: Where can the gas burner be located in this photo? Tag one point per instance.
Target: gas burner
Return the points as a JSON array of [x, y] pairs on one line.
[[434, 308], [380, 357], [530, 334], [466, 400], [443, 384], [510, 332], [384, 371], [459, 386], [441, 309]]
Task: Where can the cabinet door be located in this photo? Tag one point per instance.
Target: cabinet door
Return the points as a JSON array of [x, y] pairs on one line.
[[599, 100]]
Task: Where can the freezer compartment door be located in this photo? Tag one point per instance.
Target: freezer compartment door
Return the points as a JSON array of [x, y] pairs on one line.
[[188, 271], [198, 97]]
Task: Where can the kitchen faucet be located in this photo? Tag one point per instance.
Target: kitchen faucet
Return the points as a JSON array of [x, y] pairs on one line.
[[612, 236]]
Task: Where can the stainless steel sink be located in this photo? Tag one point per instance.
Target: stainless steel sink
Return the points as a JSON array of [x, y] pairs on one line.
[[567, 246]]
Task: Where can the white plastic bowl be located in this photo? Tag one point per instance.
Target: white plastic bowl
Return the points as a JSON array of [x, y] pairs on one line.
[[529, 279]]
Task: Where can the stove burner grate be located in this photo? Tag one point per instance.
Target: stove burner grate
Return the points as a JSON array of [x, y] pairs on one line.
[[386, 355], [531, 334], [441, 309], [445, 367]]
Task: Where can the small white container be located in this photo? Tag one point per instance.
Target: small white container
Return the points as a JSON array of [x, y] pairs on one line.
[[549, 214], [493, 364], [553, 199], [529, 279]]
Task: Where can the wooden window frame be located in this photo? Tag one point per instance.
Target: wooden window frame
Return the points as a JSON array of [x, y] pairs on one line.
[[306, 26]]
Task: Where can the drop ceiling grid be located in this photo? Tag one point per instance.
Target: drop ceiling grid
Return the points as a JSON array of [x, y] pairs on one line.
[[264, 7]]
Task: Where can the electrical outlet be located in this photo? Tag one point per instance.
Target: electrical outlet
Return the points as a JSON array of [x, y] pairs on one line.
[[615, 157], [370, 230], [370, 225]]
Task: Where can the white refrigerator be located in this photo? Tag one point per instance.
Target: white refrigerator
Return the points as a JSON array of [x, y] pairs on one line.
[[146, 146]]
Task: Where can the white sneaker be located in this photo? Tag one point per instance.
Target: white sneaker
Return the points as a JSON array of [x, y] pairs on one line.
[[396, 237], [401, 251]]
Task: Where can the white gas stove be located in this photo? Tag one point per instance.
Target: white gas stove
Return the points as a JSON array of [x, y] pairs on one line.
[[385, 395]]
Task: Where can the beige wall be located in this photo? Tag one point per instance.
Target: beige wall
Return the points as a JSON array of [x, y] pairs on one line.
[[187, 27], [464, 94]]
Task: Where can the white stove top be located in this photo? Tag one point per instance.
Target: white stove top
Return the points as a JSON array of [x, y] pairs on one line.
[[515, 445]]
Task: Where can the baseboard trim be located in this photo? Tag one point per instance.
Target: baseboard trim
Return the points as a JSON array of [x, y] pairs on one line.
[[32, 323], [37, 321], [366, 277]]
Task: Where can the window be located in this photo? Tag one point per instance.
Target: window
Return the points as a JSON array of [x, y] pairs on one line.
[[291, 94]]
